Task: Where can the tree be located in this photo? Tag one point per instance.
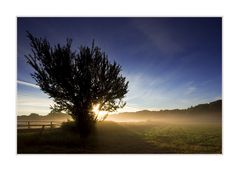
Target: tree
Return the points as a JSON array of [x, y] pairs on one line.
[[77, 80]]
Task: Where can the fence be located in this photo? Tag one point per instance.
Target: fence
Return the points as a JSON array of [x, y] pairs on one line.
[[37, 124]]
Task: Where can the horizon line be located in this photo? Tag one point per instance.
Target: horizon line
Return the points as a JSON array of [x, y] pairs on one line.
[[134, 111]]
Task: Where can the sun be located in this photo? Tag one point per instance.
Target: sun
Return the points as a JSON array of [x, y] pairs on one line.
[[98, 112]]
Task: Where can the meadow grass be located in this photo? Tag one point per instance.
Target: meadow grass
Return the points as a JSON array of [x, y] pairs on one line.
[[125, 138]]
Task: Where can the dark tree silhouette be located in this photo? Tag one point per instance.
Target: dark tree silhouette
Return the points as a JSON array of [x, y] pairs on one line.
[[77, 80]]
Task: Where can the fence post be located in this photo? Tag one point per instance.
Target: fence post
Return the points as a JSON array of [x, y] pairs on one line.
[[51, 125], [28, 124]]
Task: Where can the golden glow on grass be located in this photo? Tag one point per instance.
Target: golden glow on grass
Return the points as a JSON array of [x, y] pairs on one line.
[[98, 112]]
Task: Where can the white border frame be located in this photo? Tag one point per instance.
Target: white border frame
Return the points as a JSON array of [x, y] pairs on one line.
[[10, 10]]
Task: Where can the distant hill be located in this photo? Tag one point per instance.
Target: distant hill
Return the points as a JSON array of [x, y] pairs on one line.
[[208, 112], [51, 116], [205, 112]]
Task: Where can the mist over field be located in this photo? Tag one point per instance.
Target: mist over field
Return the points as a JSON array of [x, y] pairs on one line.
[[194, 130], [207, 113], [201, 113]]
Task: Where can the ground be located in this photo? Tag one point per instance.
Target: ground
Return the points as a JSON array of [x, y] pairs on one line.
[[123, 138]]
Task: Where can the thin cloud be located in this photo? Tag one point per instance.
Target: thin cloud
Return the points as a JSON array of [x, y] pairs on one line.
[[31, 103], [190, 90], [160, 35], [27, 84]]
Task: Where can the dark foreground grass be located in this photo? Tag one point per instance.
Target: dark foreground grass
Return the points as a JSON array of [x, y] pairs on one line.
[[111, 137]]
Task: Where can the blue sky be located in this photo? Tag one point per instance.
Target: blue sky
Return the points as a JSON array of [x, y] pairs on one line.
[[169, 62]]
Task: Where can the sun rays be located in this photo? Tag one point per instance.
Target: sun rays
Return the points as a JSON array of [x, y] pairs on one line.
[[97, 111]]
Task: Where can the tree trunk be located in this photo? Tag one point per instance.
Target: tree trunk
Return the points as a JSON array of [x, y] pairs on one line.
[[84, 122]]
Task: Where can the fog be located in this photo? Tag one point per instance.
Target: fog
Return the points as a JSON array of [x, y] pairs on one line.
[[169, 118]]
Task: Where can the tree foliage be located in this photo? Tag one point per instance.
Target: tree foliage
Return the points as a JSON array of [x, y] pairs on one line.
[[77, 80]]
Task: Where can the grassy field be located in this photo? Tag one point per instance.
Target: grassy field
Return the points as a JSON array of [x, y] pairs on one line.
[[130, 137]]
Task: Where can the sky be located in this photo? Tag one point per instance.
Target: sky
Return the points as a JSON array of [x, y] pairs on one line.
[[169, 62]]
